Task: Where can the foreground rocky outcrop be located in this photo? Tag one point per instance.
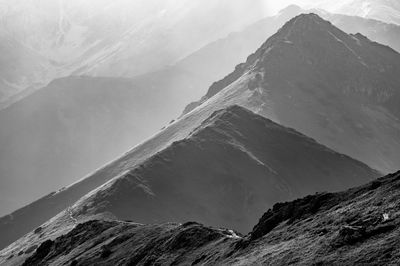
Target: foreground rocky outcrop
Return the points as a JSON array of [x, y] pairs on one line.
[[357, 226]]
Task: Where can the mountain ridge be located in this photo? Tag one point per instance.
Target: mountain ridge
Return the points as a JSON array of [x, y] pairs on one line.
[[338, 71], [246, 91], [222, 131], [347, 227], [168, 91], [223, 173]]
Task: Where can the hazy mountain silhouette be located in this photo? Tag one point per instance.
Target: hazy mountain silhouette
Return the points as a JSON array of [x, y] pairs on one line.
[[88, 112], [384, 10], [44, 40], [72, 37], [77, 124], [287, 52]]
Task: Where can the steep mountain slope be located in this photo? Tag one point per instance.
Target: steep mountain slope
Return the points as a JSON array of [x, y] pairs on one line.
[[375, 30], [225, 173], [77, 124], [125, 38], [228, 168], [215, 60], [340, 89], [260, 100], [154, 100], [357, 226]]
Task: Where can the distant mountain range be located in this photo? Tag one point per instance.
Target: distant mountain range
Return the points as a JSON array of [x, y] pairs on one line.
[[125, 39], [296, 77], [383, 10], [44, 40], [76, 124], [315, 107]]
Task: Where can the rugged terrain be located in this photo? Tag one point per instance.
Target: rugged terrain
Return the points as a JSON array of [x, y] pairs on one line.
[[340, 89], [95, 119], [219, 164], [347, 119], [357, 226], [224, 173]]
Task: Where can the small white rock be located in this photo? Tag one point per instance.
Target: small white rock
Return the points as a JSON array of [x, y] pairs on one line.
[[385, 217]]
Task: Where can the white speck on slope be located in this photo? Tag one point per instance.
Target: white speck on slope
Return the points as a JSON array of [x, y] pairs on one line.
[[233, 234]]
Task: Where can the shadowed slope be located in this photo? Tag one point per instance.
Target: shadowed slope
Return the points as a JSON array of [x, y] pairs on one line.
[[343, 228], [333, 117], [75, 139], [340, 89], [225, 173]]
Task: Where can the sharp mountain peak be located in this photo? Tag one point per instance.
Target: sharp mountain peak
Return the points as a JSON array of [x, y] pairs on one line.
[[308, 28], [310, 58]]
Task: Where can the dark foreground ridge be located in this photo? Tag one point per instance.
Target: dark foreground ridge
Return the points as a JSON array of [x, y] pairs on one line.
[[357, 226]]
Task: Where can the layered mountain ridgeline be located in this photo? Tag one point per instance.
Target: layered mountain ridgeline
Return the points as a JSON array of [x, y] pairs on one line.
[[340, 89], [224, 173], [375, 30], [107, 38], [84, 44], [357, 226], [77, 124], [220, 57], [70, 155], [239, 92], [384, 10]]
